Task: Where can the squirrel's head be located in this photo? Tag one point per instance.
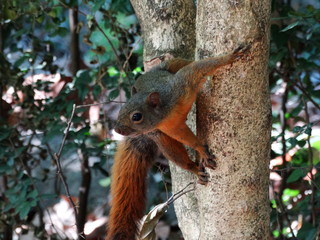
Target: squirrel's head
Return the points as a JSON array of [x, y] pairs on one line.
[[139, 115]]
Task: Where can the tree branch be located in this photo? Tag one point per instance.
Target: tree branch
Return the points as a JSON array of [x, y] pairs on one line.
[[310, 158], [95, 104], [57, 157]]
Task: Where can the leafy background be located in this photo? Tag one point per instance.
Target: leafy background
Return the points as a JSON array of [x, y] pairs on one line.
[[60, 59]]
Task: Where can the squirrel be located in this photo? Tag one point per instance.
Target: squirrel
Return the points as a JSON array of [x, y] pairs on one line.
[[154, 118]]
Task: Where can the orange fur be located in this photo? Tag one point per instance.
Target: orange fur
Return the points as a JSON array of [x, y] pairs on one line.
[[176, 152], [128, 188]]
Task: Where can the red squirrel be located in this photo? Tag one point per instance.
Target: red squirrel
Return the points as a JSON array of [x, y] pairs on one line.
[[154, 118]]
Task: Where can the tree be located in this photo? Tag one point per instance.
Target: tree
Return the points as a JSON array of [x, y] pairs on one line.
[[233, 111]]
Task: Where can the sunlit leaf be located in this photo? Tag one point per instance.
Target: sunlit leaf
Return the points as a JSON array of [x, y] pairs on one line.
[[290, 26], [291, 192], [316, 145], [105, 182]]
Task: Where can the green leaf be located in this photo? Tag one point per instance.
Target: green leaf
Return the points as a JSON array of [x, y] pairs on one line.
[[316, 145], [293, 141], [295, 112], [48, 196], [114, 93], [276, 233], [137, 70], [20, 61], [296, 175], [18, 151], [297, 129], [60, 31], [308, 130], [4, 133], [307, 232], [112, 71], [24, 209], [4, 168], [96, 91], [105, 182], [287, 115], [289, 193], [290, 26], [33, 194], [96, 5], [302, 143]]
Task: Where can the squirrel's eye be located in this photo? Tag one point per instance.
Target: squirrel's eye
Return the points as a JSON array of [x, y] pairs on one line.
[[136, 117]]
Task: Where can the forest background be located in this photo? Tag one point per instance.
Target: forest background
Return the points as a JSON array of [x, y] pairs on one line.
[[65, 69]]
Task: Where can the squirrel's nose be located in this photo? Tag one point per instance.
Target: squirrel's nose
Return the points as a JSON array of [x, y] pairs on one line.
[[123, 130]]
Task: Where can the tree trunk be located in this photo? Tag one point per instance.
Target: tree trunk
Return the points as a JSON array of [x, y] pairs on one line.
[[233, 111], [168, 26], [235, 115]]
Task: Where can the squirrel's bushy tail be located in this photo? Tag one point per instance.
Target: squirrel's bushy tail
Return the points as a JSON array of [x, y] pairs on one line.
[[132, 161]]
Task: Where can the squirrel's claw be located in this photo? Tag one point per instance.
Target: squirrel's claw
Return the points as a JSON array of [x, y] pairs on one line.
[[203, 177], [240, 51], [210, 163], [208, 160]]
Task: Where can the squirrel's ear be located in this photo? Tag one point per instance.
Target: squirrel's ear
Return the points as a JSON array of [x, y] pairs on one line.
[[153, 99], [133, 91]]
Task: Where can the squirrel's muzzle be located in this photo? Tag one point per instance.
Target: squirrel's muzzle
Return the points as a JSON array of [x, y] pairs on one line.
[[124, 130]]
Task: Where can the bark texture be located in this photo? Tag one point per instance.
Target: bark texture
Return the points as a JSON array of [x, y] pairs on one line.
[[234, 118], [167, 27]]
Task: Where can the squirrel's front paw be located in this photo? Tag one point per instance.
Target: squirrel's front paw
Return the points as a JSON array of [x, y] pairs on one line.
[[209, 159]]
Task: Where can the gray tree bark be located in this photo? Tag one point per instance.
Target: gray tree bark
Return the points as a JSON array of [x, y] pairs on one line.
[[233, 111], [235, 115], [167, 27]]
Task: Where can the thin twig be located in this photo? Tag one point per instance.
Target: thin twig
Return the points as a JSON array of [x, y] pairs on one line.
[[310, 158], [182, 192], [301, 88], [59, 169], [285, 214], [58, 155], [278, 213], [54, 227], [163, 181], [283, 122], [130, 54], [306, 169], [95, 104], [111, 45]]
